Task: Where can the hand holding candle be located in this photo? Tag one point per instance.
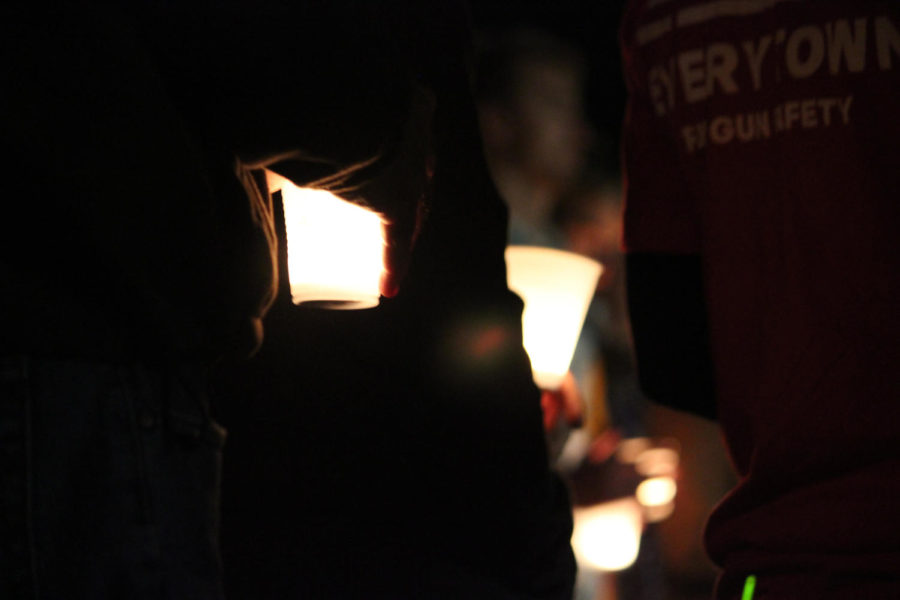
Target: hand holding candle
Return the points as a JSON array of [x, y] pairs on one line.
[[399, 193], [378, 203], [563, 403]]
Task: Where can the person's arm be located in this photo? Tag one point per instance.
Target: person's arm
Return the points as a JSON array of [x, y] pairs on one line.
[[669, 325]]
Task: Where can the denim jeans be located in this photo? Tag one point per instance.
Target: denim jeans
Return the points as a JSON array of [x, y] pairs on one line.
[[109, 482]]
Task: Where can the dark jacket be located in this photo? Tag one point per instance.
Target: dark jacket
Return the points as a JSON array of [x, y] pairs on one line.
[[126, 234]]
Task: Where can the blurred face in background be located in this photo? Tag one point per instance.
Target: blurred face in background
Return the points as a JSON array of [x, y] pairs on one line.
[[550, 131]]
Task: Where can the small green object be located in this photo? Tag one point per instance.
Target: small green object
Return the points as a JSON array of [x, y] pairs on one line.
[[749, 588]]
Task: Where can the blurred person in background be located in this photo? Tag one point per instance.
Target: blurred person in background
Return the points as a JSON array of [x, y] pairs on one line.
[[531, 92], [530, 87], [591, 216]]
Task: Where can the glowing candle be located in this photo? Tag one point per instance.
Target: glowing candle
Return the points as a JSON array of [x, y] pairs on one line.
[[607, 536], [656, 493], [557, 288], [335, 248], [657, 461]]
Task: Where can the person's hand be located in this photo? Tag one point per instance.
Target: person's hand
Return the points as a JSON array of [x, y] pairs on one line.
[[604, 445], [398, 193], [563, 403]]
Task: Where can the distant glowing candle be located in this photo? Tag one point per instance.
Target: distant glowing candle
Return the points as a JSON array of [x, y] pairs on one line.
[[656, 493], [657, 461], [607, 536], [335, 248], [657, 497], [557, 288]]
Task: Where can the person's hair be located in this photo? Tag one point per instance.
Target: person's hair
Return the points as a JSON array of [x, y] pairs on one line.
[[501, 54]]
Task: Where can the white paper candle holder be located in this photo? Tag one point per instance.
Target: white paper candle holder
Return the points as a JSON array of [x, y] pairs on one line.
[[556, 287], [335, 248], [607, 536]]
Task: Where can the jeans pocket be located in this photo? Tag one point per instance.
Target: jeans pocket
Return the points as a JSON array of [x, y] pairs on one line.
[[16, 559], [188, 491]]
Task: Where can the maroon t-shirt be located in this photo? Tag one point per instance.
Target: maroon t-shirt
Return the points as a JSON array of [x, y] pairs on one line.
[[764, 135]]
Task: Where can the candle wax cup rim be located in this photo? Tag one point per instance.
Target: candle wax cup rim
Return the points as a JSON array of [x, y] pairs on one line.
[[334, 299]]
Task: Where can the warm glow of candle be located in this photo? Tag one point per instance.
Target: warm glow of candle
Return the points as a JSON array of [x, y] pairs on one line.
[[654, 462], [657, 496], [631, 448], [557, 288], [335, 248], [656, 491], [607, 536]]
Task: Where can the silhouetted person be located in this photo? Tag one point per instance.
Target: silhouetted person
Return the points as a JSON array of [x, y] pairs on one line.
[[760, 224], [138, 250]]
